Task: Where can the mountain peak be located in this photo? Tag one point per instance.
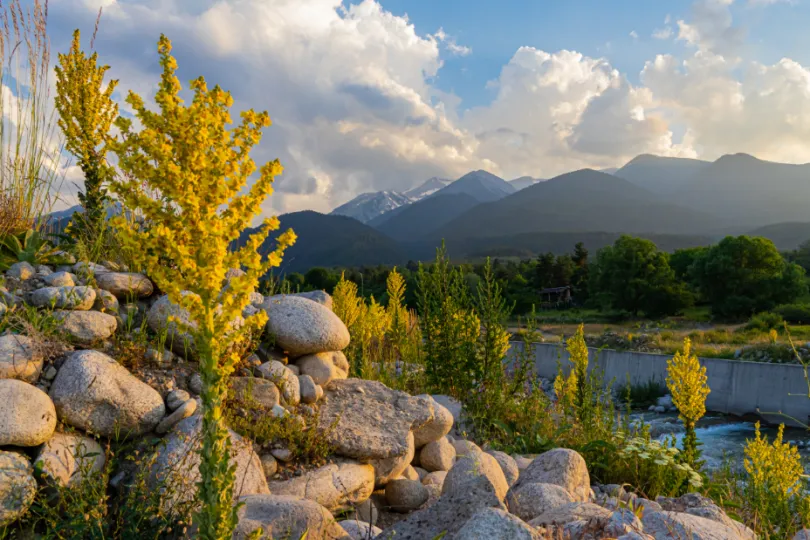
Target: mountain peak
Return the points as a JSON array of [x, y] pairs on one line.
[[481, 185]]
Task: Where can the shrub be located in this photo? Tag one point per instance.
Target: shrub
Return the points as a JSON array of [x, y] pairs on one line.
[[794, 313], [643, 394], [184, 172], [765, 322]]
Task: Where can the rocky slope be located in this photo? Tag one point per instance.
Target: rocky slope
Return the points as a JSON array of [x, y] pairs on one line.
[[397, 468]]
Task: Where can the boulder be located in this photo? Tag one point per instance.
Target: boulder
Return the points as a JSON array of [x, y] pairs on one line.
[[404, 495], [437, 428], [447, 515], [269, 465], [437, 456], [78, 298], [59, 279], [336, 486], [281, 517], [125, 285], [531, 500], [569, 513], [387, 469], [178, 337], [176, 398], [435, 478], [508, 466], [19, 358], [67, 458], [87, 326], [468, 468], [301, 326], [27, 416], [321, 297], [106, 302], [699, 505], [372, 422], [411, 474], [22, 271], [359, 530], [320, 366], [310, 392], [175, 470], [284, 379], [466, 448], [17, 487], [563, 467], [95, 393], [495, 524], [86, 269], [686, 527], [253, 389]]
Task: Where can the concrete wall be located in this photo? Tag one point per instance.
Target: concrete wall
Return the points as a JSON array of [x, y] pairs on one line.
[[738, 388]]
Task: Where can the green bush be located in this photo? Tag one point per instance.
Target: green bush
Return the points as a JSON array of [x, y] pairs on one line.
[[794, 313], [765, 322]]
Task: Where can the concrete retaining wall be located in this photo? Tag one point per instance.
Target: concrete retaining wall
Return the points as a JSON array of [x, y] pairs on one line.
[[738, 388]]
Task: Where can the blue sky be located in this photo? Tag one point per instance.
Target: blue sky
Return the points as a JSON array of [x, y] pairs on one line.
[[368, 95]]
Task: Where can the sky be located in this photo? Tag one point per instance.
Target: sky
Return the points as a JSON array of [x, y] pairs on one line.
[[369, 95]]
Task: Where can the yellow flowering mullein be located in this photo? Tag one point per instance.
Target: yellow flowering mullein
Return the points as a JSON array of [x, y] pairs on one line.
[[774, 467], [572, 390], [185, 174], [687, 382], [395, 310], [86, 112]]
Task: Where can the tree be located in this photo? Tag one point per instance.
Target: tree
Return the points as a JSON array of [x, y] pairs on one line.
[[86, 112], [320, 279], [580, 256], [683, 260], [633, 275], [564, 268], [186, 174], [544, 271], [742, 275], [579, 280]]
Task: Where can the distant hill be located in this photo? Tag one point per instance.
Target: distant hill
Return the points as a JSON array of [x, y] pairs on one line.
[[785, 236], [745, 192], [581, 201], [367, 206], [609, 170], [325, 240], [663, 175], [523, 182], [422, 218], [480, 185]]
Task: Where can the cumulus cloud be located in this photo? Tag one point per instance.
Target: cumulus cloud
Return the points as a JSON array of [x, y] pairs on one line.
[[351, 91]]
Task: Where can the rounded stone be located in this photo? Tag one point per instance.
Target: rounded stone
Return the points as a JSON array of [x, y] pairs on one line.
[[19, 358], [22, 271], [68, 458], [59, 279], [436, 478], [125, 285], [335, 486], [359, 530], [531, 500], [437, 456], [437, 428], [284, 379], [281, 517], [27, 416], [78, 298], [301, 326], [87, 326], [310, 392], [320, 366], [17, 487], [95, 393], [508, 466], [468, 468], [269, 465], [404, 495], [562, 467]]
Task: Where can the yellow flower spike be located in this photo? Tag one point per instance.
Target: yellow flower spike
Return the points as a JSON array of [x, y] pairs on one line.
[[199, 167]]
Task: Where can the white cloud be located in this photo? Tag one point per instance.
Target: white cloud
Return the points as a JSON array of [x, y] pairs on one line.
[[351, 91], [634, 35]]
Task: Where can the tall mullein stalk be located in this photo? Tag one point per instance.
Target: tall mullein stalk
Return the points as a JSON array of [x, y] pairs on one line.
[[86, 112], [687, 382], [30, 147], [187, 176]]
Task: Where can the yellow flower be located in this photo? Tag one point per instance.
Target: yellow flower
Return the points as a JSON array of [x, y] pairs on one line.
[[687, 382]]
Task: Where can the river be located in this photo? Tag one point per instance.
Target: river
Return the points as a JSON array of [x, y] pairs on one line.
[[722, 436]]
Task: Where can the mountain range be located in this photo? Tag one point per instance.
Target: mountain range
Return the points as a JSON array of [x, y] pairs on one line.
[[675, 202]]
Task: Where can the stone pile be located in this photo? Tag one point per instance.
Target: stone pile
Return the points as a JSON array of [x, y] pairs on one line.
[[398, 469]]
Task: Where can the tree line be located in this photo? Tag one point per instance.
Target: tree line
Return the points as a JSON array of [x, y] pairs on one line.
[[736, 277]]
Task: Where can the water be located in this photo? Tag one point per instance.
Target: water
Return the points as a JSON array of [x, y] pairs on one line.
[[723, 437]]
